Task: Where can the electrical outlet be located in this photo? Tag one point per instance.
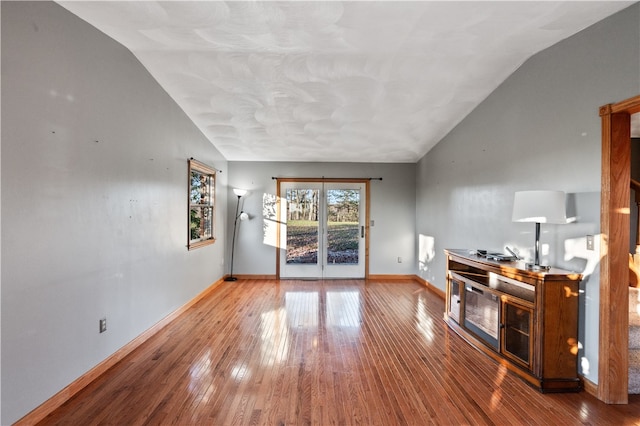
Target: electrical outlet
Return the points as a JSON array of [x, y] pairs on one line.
[[103, 325], [590, 242], [399, 259]]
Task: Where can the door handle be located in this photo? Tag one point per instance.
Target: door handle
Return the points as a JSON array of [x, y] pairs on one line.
[[362, 232]]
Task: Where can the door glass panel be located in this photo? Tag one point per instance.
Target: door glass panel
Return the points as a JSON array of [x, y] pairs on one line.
[[454, 300], [302, 226], [517, 336], [343, 215]]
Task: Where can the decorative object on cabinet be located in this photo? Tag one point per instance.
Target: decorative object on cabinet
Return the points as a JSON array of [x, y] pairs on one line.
[[539, 207], [526, 320]]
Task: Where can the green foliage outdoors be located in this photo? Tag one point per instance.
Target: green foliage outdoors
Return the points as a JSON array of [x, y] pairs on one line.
[[302, 237], [194, 228], [343, 236], [313, 224], [343, 228]]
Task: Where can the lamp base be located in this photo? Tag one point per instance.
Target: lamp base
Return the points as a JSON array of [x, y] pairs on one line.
[[231, 278], [534, 267]]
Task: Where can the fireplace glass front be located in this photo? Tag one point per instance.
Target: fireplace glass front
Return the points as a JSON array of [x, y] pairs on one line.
[[482, 314]]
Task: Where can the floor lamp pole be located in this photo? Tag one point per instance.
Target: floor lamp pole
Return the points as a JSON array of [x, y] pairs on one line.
[[233, 242]]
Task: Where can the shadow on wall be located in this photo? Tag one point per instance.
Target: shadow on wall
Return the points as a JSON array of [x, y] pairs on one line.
[[426, 252], [270, 220], [575, 249]]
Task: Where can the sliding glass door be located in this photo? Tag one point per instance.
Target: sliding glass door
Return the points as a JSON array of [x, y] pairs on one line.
[[323, 230], [300, 231]]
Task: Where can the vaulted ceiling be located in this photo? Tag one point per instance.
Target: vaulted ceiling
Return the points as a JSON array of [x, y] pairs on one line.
[[334, 81]]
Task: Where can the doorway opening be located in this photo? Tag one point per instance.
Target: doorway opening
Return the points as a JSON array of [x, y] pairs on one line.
[[322, 230], [613, 357]]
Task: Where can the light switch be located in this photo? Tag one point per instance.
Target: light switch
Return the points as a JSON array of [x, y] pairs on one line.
[[590, 242]]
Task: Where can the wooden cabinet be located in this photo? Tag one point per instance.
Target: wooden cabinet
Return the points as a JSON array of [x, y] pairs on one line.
[[526, 320], [517, 335]]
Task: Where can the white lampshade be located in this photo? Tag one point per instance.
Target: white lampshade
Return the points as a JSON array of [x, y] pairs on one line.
[[239, 192], [539, 207]]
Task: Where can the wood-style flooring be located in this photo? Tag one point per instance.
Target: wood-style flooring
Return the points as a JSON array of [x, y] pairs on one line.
[[341, 352]]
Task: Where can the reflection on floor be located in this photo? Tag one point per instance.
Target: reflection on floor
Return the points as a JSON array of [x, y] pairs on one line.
[[321, 352]]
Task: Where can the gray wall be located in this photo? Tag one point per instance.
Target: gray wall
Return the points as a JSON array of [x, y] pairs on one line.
[[94, 219], [392, 210], [93, 229], [539, 130]]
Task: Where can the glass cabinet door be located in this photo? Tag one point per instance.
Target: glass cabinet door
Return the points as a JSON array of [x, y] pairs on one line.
[[516, 332], [454, 300]]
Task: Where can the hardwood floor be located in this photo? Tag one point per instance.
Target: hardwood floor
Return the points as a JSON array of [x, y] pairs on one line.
[[320, 352]]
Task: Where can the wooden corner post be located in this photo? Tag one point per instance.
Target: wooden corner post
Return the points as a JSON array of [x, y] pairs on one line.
[[614, 273]]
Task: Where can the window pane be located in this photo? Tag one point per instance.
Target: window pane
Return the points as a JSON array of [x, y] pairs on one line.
[[343, 207], [200, 184], [201, 223], [302, 226]]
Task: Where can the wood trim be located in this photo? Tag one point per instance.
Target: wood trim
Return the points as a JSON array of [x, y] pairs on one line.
[[391, 277], [588, 386], [43, 410], [278, 228], [196, 245], [630, 106], [367, 226], [253, 277], [202, 166], [614, 227], [435, 290], [372, 277]]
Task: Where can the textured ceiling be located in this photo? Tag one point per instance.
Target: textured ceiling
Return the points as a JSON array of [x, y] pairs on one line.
[[334, 81]]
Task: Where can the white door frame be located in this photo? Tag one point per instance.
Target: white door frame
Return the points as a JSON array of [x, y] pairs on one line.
[[345, 270], [281, 212]]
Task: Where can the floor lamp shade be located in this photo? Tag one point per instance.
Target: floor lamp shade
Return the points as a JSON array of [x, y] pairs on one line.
[[539, 207]]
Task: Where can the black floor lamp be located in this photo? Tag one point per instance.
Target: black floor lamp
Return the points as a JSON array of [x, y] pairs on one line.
[[242, 216]]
